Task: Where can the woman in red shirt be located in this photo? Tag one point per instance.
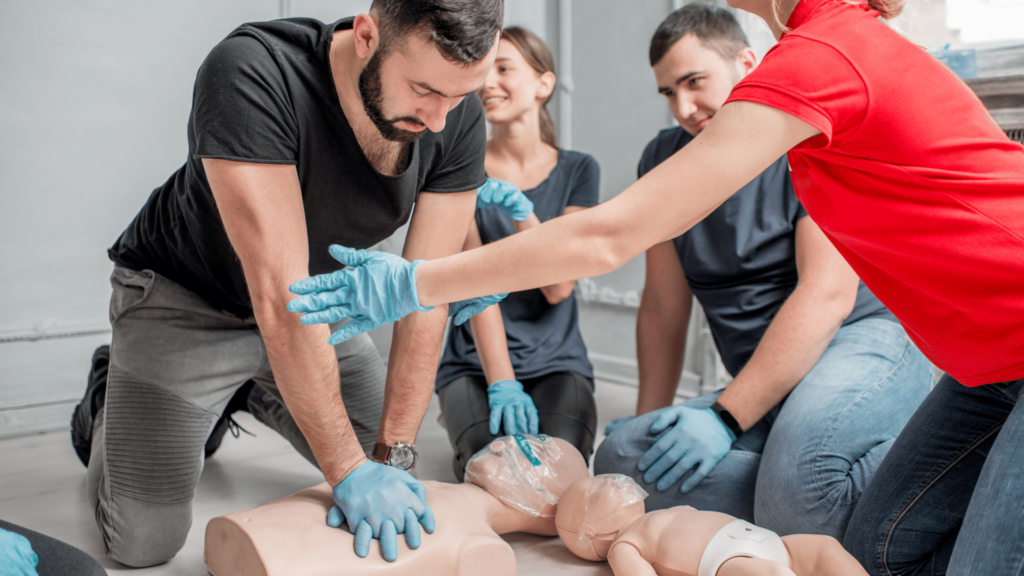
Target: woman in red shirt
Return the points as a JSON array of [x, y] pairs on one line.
[[904, 170]]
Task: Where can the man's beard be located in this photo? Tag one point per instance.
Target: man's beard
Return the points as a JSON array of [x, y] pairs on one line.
[[373, 100]]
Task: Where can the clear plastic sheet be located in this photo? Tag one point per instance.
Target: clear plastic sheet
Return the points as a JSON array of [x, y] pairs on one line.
[[609, 490], [520, 470]]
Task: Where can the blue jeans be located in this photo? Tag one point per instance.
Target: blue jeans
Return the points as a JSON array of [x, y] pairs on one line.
[[948, 498], [803, 467]]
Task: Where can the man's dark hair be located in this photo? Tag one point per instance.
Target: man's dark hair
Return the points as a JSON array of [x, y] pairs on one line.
[[715, 27], [463, 30]]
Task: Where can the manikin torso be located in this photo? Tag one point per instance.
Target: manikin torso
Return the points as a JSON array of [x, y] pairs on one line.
[[672, 540], [289, 537]]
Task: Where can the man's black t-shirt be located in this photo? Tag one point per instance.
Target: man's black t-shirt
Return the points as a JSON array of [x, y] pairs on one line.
[[740, 261], [266, 94]]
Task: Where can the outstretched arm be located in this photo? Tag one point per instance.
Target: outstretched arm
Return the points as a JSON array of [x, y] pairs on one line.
[[559, 291], [742, 141]]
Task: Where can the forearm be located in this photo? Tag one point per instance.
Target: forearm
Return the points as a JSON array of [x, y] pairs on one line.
[[744, 140], [553, 293], [793, 343], [412, 368], [492, 345], [660, 345], [305, 369]]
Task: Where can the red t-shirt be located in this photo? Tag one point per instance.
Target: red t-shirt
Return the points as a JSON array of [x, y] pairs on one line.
[[910, 179]]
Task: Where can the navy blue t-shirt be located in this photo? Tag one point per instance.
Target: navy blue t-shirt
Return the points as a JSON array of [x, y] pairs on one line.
[[740, 261], [542, 339]]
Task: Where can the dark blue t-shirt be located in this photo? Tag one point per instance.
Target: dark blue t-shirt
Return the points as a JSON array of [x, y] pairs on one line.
[[542, 339], [740, 261]]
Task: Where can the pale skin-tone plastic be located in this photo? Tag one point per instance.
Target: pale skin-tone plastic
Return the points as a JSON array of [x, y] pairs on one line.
[[670, 542], [290, 537]]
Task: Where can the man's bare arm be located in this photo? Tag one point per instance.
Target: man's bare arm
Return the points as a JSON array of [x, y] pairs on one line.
[[742, 141], [661, 325], [824, 296], [439, 226], [261, 207]]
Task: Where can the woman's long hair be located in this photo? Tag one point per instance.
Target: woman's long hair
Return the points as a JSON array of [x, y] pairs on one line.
[[538, 56]]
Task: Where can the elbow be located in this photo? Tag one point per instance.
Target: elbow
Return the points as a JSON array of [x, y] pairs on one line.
[[838, 302], [558, 293]]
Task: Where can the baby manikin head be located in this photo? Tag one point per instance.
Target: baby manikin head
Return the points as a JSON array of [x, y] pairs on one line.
[[594, 511], [529, 473]]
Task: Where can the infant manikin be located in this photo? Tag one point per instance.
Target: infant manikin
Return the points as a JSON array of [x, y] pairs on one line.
[[514, 485], [603, 518]]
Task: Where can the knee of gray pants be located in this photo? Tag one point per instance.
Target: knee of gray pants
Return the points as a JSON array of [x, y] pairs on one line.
[[147, 455], [146, 533]]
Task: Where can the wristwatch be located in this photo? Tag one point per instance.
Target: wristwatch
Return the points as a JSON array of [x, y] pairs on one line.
[[400, 455], [728, 419]]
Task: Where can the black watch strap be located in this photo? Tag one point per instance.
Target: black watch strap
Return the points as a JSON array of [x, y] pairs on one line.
[[727, 418]]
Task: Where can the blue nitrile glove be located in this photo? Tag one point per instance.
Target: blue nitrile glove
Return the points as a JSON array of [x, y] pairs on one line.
[[377, 289], [614, 425], [508, 402], [466, 309], [381, 501], [16, 555], [697, 438], [505, 197]]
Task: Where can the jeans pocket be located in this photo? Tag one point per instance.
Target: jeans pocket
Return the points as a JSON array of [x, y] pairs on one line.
[[131, 289]]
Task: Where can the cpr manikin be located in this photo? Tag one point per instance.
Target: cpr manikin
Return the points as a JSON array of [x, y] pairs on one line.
[[603, 518], [514, 486]]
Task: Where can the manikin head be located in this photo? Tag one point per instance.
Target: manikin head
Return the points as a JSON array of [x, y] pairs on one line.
[[698, 54], [422, 57], [595, 511], [521, 82], [529, 473]]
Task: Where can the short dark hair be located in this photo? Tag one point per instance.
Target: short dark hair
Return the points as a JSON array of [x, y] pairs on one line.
[[715, 27], [463, 30]]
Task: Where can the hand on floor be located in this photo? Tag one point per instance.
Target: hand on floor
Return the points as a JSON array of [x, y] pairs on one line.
[[696, 438], [380, 501], [510, 404]]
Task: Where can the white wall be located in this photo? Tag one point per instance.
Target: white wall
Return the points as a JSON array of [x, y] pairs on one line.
[[94, 100]]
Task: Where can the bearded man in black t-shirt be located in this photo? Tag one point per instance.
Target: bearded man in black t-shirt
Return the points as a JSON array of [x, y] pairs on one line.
[[301, 135]]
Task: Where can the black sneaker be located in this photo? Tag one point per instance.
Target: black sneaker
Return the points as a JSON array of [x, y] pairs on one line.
[[226, 423], [95, 396]]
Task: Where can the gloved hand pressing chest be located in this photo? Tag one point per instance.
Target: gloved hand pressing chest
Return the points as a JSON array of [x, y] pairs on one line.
[[694, 438], [16, 555], [510, 404], [505, 197], [381, 501]]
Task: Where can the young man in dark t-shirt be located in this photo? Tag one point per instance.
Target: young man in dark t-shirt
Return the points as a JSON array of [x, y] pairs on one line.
[[301, 135], [825, 377]]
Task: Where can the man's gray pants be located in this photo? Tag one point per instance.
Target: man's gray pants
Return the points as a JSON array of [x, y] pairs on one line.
[[175, 362]]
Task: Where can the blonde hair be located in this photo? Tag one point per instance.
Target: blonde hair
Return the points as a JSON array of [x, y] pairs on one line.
[[887, 9]]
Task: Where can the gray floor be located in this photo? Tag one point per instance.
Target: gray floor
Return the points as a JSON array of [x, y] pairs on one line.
[[42, 487]]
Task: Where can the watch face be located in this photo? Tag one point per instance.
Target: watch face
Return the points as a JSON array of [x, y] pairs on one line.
[[403, 456]]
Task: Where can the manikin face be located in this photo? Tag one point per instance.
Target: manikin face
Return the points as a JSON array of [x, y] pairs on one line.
[[513, 88], [412, 88], [697, 80]]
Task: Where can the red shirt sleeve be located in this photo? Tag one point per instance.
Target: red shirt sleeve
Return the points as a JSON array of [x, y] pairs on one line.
[[809, 80]]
